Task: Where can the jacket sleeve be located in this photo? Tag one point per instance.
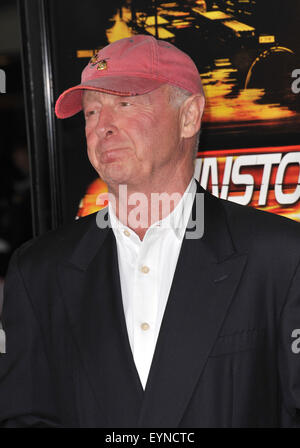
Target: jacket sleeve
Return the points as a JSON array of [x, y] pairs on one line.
[[289, 354], [26, 392]]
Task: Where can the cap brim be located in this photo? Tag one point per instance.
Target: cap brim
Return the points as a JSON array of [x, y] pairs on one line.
[[70, 101]]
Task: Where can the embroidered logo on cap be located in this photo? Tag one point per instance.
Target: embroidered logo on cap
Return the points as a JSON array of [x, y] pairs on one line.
[[94, 59], [101, 64]]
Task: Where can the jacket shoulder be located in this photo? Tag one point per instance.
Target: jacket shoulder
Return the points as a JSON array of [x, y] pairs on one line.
[[55, 243], [258, 227]]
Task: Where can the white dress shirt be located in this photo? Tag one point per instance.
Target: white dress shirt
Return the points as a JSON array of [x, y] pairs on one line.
[[146, 273]]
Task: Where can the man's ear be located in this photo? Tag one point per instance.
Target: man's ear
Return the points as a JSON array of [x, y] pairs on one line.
[[191, 115]]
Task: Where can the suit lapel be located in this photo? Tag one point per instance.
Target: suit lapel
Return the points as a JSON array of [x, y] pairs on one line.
[[90, 286], [206, 277]]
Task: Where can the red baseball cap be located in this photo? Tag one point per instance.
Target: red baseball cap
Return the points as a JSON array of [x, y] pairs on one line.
[[132, 66]]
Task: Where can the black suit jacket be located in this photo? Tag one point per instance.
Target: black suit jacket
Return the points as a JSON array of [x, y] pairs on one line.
[[224, 354]]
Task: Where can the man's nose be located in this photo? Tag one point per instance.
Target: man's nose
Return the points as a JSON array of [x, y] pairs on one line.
[[106, 125]]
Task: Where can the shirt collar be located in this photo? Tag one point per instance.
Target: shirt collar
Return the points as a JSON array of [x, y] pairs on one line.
[[177, 220]]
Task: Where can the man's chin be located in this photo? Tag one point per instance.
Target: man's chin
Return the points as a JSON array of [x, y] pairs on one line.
[[115, 175]]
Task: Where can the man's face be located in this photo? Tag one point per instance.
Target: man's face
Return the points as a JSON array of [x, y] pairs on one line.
[[132, 140]]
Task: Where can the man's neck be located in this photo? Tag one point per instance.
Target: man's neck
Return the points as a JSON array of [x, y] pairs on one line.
[[140, 209]]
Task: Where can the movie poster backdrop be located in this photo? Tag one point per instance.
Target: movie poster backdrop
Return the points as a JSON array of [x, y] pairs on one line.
[[248, 55]]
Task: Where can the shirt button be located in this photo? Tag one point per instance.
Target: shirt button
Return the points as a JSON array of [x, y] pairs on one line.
[[145, 326], [145, 269], [126, 233]]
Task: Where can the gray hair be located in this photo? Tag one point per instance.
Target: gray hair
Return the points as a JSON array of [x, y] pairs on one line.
[[177, 96]]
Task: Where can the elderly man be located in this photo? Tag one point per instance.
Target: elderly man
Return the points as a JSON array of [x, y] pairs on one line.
[[123, 320]]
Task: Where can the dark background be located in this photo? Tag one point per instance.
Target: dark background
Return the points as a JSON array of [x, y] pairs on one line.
[[15, 207]]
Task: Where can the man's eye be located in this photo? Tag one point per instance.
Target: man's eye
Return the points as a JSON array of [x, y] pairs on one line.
[[124, 103], [89, 113]]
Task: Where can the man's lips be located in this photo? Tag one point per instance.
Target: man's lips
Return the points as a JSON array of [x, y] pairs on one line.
[[112, 154]]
